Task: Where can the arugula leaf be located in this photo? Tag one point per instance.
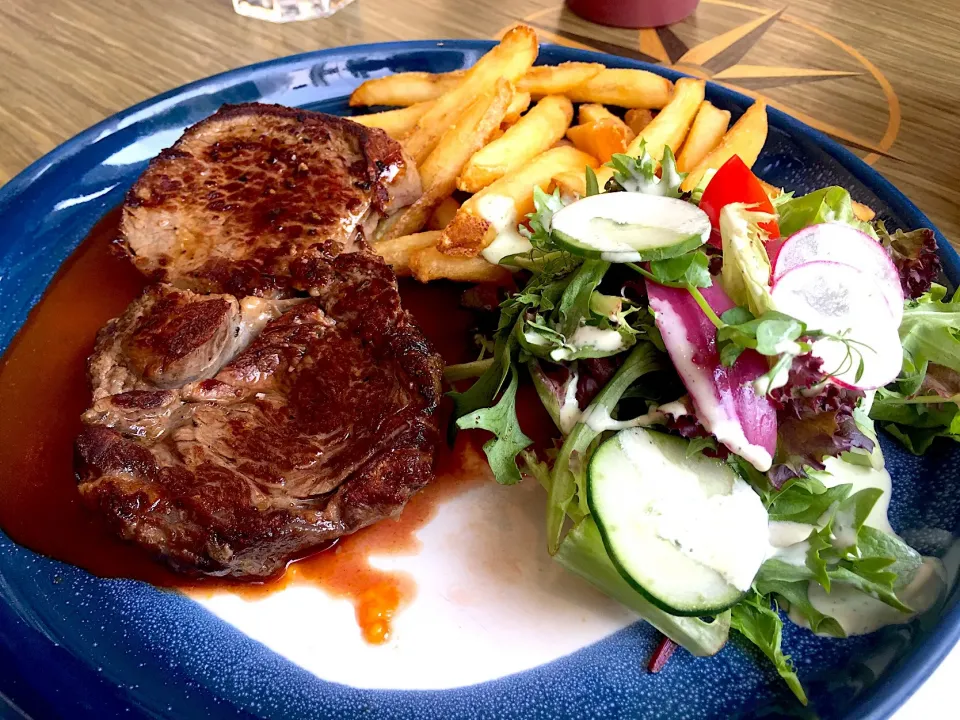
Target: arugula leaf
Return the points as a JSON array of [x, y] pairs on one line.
[[873, 543], [693, 269], [930, 329], [592, 185], [574, 305], [829, 204], [781, 579], [754, 619], [639, 174], [806, 500], [508, 441]]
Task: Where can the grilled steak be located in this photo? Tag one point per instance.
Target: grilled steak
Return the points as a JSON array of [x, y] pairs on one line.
[[254, 188], [270, 394], [322, 425]]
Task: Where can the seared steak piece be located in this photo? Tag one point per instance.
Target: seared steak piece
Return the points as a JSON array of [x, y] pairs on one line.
[[234, 465], [253, 188]]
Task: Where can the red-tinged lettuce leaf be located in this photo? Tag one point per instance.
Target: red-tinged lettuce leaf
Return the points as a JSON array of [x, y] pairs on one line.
[[723, 397], [815, 421], [915, 255]]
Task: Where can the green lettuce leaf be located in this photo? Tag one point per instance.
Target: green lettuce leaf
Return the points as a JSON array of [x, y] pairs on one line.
[[746, 267], [829, 204], [806, 500], [791, 584], [508, 441], [761, 625], [930, 329], [693, 269]]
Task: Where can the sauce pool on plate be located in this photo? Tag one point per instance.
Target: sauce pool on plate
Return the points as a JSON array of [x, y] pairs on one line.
[[44, 390]]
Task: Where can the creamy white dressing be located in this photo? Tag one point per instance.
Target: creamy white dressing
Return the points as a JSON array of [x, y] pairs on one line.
[[710, 412], [569, 413], [859, 613], [587, 336], [501, 212], [856, 612], [725, 530], [598, 419]]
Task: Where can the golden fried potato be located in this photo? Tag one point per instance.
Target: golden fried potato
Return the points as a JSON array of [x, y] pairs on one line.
[[508, 61], [444, 213], [708, 129], [429, 264], [405, 89], [467, 134], [396, 123], [534, 133], [518, 106], [745, 139], [572, 184], [507, 201], [626, 88], [396, 252], [669, 127], [591, 112], [637, 119], [557, 79]]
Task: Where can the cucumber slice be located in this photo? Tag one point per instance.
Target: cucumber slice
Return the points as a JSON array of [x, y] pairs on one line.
[[688, 533], [583, 554], [630, 227]]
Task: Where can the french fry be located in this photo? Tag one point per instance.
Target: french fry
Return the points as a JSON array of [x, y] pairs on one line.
[[745, 139], [510, 198], [637, 119], [557, 79], [507, 61], [534, 133], [405, 89], [591, 112], [601, 138], [708, 129], [443, 215], [396, 252], [518, 106], [669, 127], [626, 88], [396, 123], [429, 264], [467, 134], [572, 184]]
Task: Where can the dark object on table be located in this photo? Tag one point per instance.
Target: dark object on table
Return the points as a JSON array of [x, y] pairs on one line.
[[633, 13]]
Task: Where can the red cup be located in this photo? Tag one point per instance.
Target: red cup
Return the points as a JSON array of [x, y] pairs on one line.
[[633, 13]]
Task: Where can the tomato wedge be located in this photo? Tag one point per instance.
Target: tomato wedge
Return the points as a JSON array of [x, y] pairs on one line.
[[735, 183]]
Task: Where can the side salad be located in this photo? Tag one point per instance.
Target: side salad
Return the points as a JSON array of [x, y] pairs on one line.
[[716, 363]]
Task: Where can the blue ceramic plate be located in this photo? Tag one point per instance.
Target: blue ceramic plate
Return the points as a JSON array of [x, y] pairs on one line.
[[75, 646]]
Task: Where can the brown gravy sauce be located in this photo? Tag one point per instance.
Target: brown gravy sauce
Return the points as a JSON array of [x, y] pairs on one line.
[[43, 391]]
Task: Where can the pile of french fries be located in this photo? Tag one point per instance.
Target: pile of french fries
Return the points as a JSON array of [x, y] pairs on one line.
[[486, 137]]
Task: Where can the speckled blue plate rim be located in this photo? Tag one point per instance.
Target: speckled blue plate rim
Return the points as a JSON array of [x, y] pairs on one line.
[[909, 672]]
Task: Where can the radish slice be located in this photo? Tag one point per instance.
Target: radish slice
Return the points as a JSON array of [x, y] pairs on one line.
[[841, 243], [723, 397], [837, 298]]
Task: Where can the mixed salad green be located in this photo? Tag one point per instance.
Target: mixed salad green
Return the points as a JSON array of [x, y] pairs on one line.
[[715, 363]]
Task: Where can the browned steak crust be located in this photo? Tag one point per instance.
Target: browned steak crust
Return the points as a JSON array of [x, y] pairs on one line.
[[322, 425], [253, 188]]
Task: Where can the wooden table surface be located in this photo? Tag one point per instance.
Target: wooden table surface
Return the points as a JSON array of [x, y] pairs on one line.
[[882, 76]]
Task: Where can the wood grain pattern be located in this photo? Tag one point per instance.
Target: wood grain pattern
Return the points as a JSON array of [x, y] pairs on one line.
[[73, 63]]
